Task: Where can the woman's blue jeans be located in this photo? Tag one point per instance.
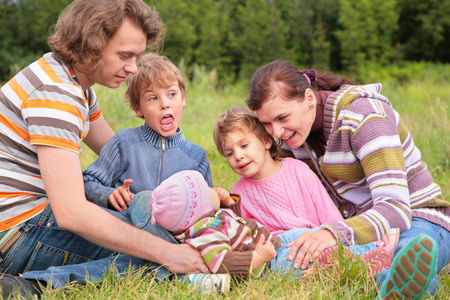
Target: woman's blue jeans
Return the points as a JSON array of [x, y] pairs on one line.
[[440, 235], [418, 226], [46, 252], [281, 263]]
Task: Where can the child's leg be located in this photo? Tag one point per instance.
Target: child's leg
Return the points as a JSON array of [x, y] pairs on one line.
[[389, 242], [281, 263]]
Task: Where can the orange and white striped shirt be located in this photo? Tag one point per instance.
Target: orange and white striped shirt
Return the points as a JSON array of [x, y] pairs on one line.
[[42, 105]]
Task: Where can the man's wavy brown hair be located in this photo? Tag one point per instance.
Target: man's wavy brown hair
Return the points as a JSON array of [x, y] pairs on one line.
[[85, 26]]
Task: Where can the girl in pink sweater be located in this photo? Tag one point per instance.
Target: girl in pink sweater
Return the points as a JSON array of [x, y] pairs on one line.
[[283, 194]]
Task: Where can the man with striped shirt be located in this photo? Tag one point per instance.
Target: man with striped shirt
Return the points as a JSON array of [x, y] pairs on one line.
[[46, 110]]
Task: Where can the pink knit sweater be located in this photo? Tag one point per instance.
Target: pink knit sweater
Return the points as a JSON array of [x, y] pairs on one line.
[[294, 197]]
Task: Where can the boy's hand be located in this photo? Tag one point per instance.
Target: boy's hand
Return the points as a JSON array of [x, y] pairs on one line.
[[265, 249], [121, 197], [224, 196]]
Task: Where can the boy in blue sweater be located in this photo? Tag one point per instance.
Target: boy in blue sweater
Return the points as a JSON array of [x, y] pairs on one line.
[[138, 159]]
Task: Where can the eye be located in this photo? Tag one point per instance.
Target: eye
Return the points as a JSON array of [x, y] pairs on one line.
[[172, 94], [125, 56], [228, 154], [282, 118], [244, 146], [153, 98]]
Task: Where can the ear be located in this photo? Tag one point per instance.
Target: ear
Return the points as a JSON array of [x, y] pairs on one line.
[[268, 143], [184, 100], [138, 112], [310, 97]]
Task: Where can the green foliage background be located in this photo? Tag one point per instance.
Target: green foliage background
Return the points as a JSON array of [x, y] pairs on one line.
[[235, 37]]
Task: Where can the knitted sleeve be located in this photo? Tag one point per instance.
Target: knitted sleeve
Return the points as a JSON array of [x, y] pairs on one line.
[[246, 205], [100, 177], [216, 245], [205, 169], [378, 162]]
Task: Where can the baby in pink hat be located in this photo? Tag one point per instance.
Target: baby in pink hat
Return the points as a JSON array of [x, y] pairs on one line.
[[185, 205]]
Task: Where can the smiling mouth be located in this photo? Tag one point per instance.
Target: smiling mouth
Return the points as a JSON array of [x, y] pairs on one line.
[[289, 137], [244, 165]]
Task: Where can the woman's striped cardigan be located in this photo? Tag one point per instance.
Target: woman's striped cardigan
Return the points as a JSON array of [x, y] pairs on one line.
[[371, 168]]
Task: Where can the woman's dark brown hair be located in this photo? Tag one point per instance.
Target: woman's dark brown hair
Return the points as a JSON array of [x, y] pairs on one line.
[[284, 78]]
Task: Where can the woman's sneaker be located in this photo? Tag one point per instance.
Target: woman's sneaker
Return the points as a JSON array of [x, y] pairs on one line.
[[210, 283], [390, 240], [412, 271]]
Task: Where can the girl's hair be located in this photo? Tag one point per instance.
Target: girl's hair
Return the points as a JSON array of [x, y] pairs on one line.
[[284, 78], [85, 26], [244, 120], [153, 70]]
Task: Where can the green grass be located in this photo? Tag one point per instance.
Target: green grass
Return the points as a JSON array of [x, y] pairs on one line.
[[419, 92]]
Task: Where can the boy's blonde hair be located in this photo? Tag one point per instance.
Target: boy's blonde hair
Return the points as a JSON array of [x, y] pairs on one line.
[[244, 120], [153, 70]]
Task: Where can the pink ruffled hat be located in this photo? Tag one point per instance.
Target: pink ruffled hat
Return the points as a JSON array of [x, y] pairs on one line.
[[180, 201]]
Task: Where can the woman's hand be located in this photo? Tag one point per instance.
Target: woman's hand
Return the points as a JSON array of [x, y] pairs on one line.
[[121, 197], [310, 245]]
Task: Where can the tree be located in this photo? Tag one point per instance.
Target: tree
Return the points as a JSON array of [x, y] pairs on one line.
[[24, 28], [424, 29], [367, 32]]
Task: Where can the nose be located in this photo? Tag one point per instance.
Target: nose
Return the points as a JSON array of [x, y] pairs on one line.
[[238, 155], [164, 102], [131, 67], [276, 131]]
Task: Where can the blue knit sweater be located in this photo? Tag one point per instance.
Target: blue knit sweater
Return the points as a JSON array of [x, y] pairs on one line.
[[146, 157]]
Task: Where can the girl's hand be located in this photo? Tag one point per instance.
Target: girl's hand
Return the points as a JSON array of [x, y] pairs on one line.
[[121, 197], [224, 196], [265, 250], [309, 246]]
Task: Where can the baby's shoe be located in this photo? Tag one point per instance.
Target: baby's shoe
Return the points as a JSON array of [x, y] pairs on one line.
[[389, 241], [210, 283], [329, 256], [377, 260]]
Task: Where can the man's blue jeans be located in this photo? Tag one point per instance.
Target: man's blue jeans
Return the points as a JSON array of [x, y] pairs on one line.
[[46, 252]]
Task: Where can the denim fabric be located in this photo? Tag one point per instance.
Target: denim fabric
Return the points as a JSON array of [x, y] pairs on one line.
[[439, 234], [43, 244], [282, 264], [52, 261]]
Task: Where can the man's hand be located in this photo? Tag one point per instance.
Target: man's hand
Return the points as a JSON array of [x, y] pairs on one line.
[[309, 245], [121, 197], [183, 258]]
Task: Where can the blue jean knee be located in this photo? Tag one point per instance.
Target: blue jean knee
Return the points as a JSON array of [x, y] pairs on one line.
[[281, 263]]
